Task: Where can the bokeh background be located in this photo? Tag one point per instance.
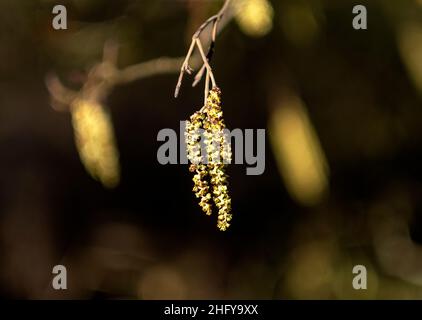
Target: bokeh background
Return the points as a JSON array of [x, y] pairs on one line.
[[343, 179]]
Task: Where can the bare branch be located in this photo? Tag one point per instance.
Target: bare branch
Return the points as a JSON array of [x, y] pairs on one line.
[[104, 76], [198, 76], [206, 58], [60, 95], [207, 87], [110, 52], [185, 68], [150, 68], [218, 26]]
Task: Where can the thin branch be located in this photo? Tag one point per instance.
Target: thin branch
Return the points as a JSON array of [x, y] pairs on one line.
[[150, 68], [198, 76], [60, 95], [207, 87], [101, 78], [104, 76], [185, 68], [110, 52], [206, 58], [223, 21]]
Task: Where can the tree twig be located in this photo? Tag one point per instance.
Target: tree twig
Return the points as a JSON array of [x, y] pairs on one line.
[[61, 97], [215, 19], [163, 65], [104, 76]]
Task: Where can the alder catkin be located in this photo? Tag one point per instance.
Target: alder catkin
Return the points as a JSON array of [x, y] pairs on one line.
[[192, 138], [210, 179], [95, 141]]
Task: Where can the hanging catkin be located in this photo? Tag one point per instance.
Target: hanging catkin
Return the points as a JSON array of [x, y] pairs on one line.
[[94, 138], [210, 179]]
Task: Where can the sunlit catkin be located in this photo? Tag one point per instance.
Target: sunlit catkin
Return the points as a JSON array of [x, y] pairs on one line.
[[95, 141], [210, 180], [192, 138], [218, 155]]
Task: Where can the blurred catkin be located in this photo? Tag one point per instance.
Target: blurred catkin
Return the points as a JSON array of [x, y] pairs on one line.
[[254, 17], [95, 141]]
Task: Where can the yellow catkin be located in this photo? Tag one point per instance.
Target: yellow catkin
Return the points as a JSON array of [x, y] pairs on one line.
[[95, 141], [210, 179], [218, 154], [192, 138]]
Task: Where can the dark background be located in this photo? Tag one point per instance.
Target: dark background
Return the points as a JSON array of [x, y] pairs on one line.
[[147, 238]]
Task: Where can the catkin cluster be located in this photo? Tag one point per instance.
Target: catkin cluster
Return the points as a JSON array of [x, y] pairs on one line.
[[210, 179]]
